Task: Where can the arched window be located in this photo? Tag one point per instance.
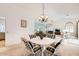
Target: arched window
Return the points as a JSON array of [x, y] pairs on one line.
[[69, 27]]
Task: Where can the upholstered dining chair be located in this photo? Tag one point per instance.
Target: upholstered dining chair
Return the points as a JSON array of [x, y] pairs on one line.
[[58, 44], [27, 44], [49, 51], [35, 49], [56, 47]]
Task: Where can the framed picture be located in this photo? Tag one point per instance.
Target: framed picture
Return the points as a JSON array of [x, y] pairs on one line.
[[23, 23]]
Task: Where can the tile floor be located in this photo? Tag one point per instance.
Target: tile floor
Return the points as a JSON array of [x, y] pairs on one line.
[[15, 50]]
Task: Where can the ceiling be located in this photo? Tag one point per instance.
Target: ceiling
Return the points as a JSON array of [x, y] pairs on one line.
[[54, 8], [64, 9]]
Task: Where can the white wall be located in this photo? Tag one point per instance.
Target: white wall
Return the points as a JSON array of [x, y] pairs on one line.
[[13, 16], [15, 12]]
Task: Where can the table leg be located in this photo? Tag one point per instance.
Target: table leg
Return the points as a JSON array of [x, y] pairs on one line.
[[43, 48]]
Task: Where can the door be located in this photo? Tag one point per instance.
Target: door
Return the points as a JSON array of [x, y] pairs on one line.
[[2, 32]]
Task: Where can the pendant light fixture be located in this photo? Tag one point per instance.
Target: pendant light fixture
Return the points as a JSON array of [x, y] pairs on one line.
[[43, 18]]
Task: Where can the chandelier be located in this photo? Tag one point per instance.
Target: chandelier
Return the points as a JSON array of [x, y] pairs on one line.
[[43, 18]]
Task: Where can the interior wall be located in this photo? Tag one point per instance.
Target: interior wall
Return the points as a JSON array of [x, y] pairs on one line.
[[15, 12], [13, 16]]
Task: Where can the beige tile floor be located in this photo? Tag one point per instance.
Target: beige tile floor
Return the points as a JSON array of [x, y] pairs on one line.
[[20, 50], [15, 50]]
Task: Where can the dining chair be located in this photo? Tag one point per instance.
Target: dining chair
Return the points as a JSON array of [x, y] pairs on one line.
[[49, 51], [27, 44], [35, 49], [58, 44], [57, 48]]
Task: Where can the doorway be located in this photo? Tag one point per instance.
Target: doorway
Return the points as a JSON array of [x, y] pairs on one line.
[[2, 32]]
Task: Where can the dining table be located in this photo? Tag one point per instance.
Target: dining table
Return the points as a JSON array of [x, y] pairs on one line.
[[44, 42]]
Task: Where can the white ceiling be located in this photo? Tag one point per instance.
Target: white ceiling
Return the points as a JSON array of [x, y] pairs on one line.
[[54, 8], [50, 8]]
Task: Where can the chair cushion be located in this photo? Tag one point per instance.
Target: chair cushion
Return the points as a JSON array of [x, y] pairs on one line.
[[50, 49], [27, 44], [35, 49], [38, 53]]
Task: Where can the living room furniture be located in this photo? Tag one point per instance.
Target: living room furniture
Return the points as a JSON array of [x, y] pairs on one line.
[[57, 32]]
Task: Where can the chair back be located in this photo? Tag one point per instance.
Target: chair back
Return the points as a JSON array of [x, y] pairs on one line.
[[36, 49], [27, 44], [49, 51], [58, 44]]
